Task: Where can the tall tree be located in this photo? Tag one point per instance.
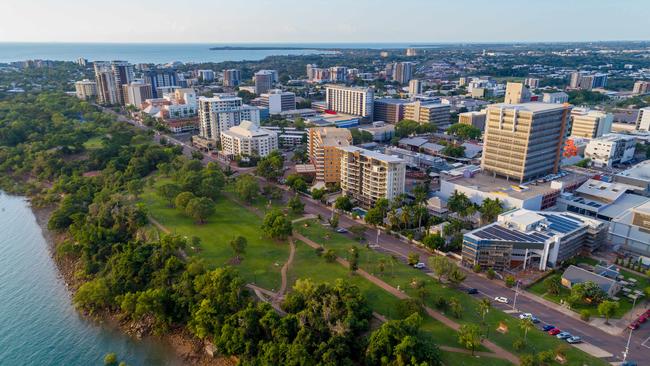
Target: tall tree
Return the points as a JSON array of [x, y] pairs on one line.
[[238, 246], [469, 336], [199, 209], [247, 187]]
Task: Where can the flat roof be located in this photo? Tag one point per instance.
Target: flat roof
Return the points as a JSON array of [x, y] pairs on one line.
[[640, 171], [372, 154], [608, 192], [392, 101], [578, 275], [530, 106]]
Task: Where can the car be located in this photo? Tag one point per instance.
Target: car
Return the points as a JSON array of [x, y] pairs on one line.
[[472, 291], [574, 339], [501, 299], [341, 230], [548, 327], [647, 313], [420, 265], [642, 318], [529, 316], [629, 363], [563, 335], [554, 331], [634, 325]]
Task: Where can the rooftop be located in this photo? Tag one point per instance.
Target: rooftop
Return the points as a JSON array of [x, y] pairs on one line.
[[640, 171], [579, 275], [604, 191], [372, 154], [530, 106], [248, 129], [392, 101]]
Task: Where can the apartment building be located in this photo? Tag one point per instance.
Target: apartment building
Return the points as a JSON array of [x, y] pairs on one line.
[[106, 86], [641, 87], [356, 101], [610, 149], [205, 75], [555, 98], [248, 139], [389, 110], [429, 112], [123, 74], [590, 123], [277, 101], [587, 80], [532, 83], [367, 176], [322, 146], [403, 72], [476, 119], [415, 87], [231, 77], [643, 119], [136, 92], [85, 89], [221, 112], [264, 80], [338, 74], [524, 141], [160, 79], [516, 93]]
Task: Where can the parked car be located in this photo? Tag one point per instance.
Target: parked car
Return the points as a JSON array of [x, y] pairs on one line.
[[501, 299], [642, 318], [529, 316], [634, 325], [564, 335], [554, 331], [420, 265], [629, 363], [341, 230], [574, 339], [472, 291], [548, 327]]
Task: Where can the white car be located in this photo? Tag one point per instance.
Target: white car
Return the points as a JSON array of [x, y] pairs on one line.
[[501, 299], [419, 265]]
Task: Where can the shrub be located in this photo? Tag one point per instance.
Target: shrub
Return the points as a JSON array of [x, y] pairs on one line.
[[110, 359], [518, 344], [585, 315], [477, 268], [490, 273], [510, 281]]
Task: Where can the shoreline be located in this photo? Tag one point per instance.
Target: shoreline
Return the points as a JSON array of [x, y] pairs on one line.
[[186, 347]]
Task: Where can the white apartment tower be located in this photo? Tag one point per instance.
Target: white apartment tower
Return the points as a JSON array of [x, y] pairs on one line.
[[248, 139], [85, 89], [351, 100], [221, 112]]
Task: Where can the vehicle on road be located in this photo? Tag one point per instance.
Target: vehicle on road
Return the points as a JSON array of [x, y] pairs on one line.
[[548, 327], [529, 316], [554, 331], [634, 325], [420, 265], [642, 318], [574, 339], [501, 299], [472, 291], [341, 230], [563, 335], [629, 363]]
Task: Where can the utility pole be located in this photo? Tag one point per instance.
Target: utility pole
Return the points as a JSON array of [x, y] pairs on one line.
[[514, 302], [377, 239], [629, 337]]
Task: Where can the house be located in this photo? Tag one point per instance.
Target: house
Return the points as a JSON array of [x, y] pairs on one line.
[[576, 275]]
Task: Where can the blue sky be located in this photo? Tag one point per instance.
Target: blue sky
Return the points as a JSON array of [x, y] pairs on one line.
[[323, 21]]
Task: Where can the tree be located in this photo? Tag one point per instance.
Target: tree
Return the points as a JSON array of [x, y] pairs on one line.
[[413, 258], [247, 187], [93, 295], [358, 231], [197, 155], [276, 225], [433, 241], [271, 167], [343, 203], [510, 281], [607, 309], [456, 276], [454, 151], [169, 191], [440, 265], [553, 284], [330, 256], [484, 307], [199, 209], [238, 246], [464, 132], [182, 199], [490, 274], [469, 336], [317, 194], [490, 210], [296, 183], [110, 359], [527, 360], [334, 220], [409, 306], [295, 205], [456, 307], [374, 217], [459, 203], [353, 259], [526, 324]]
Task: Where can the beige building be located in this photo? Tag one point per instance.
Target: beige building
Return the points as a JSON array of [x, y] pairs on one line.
[[356, 101], [424, 112], [323, 144], [136, 93], [367, 176], [248, 139], [516, 93], [641, 87], [524, 141], [476, 119], [85, 89], [590, 123]]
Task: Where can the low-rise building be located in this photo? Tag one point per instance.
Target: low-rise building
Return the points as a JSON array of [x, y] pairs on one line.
[[574, 275], [423, 112], [85, 89], [289, 136], [476, 119], [380, 131], [611, 149], [278, 101], [590, 123], [248, 139], [629, 232], [555, 98], [637, 176], [389, 110]]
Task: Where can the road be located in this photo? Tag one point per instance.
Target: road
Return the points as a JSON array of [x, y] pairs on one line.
[[614, 344]]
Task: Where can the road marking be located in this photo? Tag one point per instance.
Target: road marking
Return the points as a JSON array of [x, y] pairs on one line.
[[645, 343]]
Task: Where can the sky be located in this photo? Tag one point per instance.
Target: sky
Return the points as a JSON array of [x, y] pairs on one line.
[[219, 21]]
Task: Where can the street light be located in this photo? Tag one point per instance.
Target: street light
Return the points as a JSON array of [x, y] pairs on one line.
[[514, 302], [629, 337]]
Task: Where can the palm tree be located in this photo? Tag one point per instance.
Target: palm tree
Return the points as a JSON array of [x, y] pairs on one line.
[[526, 324], [484, 307]]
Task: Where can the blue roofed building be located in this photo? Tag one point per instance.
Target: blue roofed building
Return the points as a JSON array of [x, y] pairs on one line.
[[528, 238]]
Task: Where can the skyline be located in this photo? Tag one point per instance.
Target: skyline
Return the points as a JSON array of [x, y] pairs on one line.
[[365, 21]]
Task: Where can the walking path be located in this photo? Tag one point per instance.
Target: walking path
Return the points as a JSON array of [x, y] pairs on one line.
[[283, 272], [498, 351], [160, 226]]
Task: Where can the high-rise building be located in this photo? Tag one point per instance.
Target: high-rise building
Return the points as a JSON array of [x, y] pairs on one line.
[[160, 79], [556, 98], [136, 92], [590, 123], [410, 52], [389, 110], [367, 176], [357, 101], [85, 89], [429, 112], [105, 80], [323, 148], [231, 77], [516, 93], [278, 101], [641, 87], [587, 80], [221, 112], [263, 81], [476, 119], [611, 149], [532, 83], [338, 74], [389, 70], [82, 62], [205, 75], [124, 74], [403, 72], [643, 119], [415, 87], [310, 71], [248, 139], [524, 141]]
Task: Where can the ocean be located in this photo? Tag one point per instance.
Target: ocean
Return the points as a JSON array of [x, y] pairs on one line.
[[164, 52], [39, 325]]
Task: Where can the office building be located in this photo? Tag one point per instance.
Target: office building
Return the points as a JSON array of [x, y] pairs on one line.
[[532, 83], [85, 89], [476, 119], [608, 150], [629, 232], [289, 136], [263, 81], [590, 123], [429, 112], [380, 131], [641, 87], [338, 74], [205, 75], [136, 92], [231, 77], [248, 139], [524, 141], [531, 239], [159, 79], [555, 98], [367, 176], [389, 110], [221, 112], [277, 101], [415, 87], [587, 80], [105, 80], [403, 72], [356, 101], [322, 146], [643, 119], [516, 93], [637, 176]]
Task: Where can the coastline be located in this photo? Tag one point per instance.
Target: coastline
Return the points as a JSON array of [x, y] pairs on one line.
[[187, 348]]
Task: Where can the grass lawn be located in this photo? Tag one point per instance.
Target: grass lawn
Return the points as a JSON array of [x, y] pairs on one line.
[[263, 259], [400, 275], [94, 143], [453, 359]]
